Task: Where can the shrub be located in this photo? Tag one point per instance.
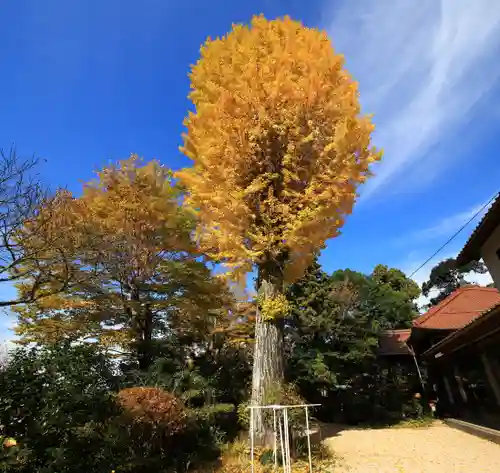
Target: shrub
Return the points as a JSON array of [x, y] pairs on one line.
[[153, 433], [13, 457], [221, 416], [154, 406], [48, 397], [62, 406]]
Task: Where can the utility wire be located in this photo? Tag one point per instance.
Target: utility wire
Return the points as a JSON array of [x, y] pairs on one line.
[[455, 234]]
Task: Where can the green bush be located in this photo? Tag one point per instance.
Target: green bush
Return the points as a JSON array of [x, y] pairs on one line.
[[222, 419], [63, 407], [13, 457], [48, 397]]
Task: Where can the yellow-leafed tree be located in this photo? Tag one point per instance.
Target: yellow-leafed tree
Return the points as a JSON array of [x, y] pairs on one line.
[[279, 147], [134, 272]]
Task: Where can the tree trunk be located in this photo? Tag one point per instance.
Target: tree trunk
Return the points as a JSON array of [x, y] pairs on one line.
[[142, 323], [145, 354], [268, 360]]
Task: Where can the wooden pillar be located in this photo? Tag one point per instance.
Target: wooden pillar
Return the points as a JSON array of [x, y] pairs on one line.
[[460, 383], [448, 389], [489, 368]]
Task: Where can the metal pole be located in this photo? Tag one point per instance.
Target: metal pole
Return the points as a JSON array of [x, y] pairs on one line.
[[308, 440], [287, 440], [251, 439], [280, 413], [282, 444], [418, 367], [275, 440]]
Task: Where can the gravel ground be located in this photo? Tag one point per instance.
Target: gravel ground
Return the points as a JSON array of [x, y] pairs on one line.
[[436, 449]]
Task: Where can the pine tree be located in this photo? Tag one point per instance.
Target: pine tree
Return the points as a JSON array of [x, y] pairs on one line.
[[446, 277]]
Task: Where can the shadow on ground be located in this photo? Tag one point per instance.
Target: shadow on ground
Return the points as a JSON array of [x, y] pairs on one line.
[[325, 430]]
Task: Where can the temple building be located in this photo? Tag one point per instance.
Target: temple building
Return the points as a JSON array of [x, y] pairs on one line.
[[456, 343]]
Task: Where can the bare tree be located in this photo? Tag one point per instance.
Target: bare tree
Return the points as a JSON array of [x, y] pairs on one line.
[[26, 255]]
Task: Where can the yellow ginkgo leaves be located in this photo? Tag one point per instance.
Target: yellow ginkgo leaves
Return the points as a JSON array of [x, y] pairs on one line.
[[278, 144]]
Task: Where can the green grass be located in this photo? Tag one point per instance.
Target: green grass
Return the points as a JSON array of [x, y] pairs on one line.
[[414, 423]]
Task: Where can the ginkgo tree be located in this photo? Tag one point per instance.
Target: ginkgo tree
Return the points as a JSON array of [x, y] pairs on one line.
[[279, 147]]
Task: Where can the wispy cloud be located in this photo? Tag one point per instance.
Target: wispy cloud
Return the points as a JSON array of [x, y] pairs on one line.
[[445, 227], [423, 66]]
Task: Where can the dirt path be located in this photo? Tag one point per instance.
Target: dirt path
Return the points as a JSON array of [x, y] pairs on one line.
[[436, 449]]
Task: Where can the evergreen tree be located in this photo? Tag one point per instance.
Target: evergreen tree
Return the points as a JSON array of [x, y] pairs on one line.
[[334, 328], [447, 277]]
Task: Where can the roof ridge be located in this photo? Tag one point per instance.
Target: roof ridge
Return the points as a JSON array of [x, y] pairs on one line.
[[397, 330], [432, 311], [482, 288], [484, 313], [475, 286], [441, 307], [492, 207]]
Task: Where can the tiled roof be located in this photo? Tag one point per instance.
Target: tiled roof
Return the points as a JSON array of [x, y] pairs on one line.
[[393, 342], [491, 220], [459, 308], [460, 333]]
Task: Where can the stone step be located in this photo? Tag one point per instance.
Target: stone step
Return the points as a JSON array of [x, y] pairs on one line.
[[475, 429]]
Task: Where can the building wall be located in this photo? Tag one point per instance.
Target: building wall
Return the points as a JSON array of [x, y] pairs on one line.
[[490, 252]]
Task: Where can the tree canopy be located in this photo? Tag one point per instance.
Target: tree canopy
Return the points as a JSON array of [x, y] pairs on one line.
[[394, 297], [135, 272], [333, 334], [278, 144]]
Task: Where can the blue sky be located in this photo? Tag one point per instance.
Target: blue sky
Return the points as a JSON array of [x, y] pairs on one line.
[[85, 82]]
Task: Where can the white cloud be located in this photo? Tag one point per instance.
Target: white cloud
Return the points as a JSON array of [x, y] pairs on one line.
[[422, 65], [447, 226], [7, 323]]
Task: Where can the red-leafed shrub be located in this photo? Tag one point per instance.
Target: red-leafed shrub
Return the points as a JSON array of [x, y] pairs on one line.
[[154, 406]]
